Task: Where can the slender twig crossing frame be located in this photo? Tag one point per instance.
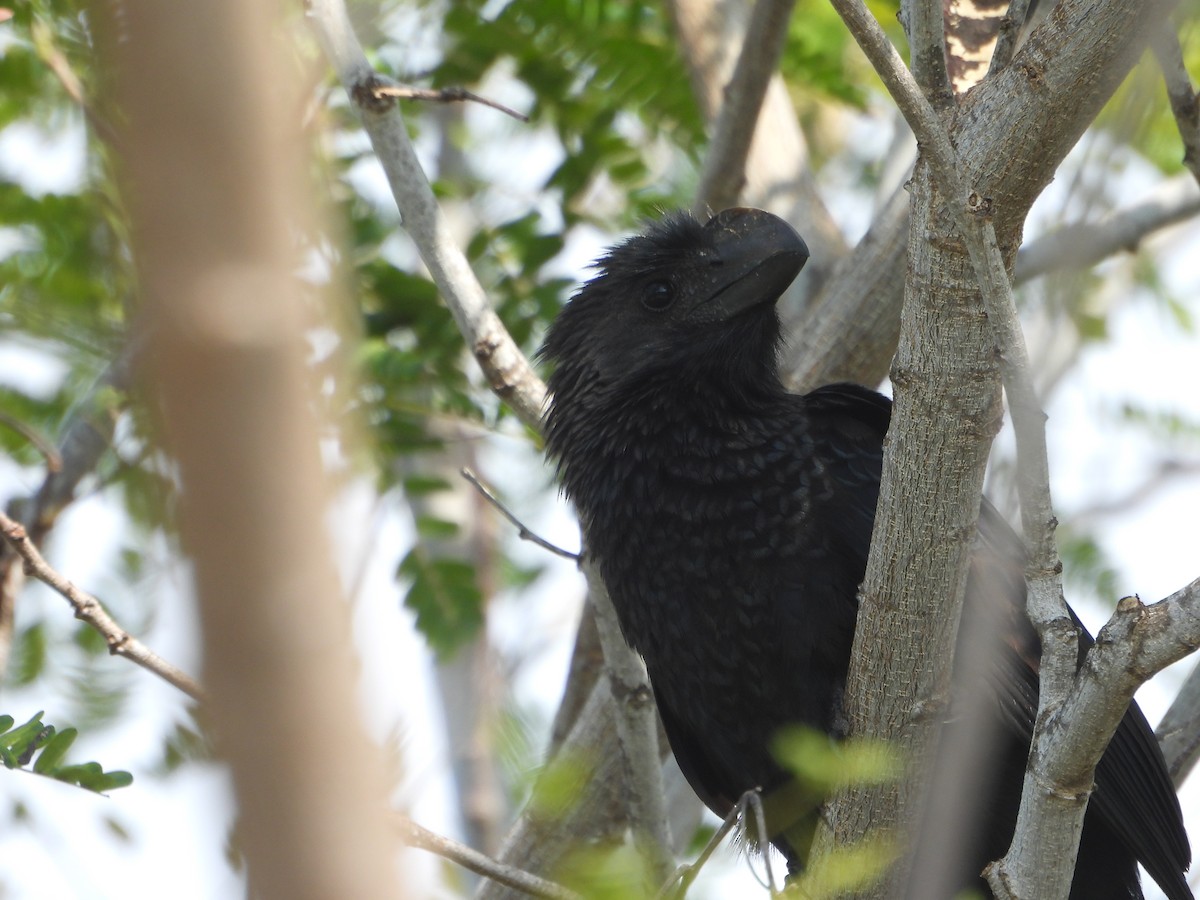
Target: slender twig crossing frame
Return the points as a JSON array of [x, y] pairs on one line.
[[89, 609]]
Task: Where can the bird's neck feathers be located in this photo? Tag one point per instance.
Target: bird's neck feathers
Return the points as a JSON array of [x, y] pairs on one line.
[[720, 384]]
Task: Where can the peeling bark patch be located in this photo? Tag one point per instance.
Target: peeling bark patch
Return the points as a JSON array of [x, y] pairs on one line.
[[365, 95], [979, 204], [499, 378], [1034, 73]]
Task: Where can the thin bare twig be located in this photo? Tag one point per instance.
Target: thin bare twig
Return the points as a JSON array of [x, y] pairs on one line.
[[917, 111], [754, 802], [49, 452], [681, 879], [85, 436], [89, 609], [442, 95], [676, 887], [522, 532], [1184, 103], [56, 61], [417, 836]]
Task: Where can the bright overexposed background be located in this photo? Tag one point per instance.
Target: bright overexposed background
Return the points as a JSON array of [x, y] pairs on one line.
[[168, 834]]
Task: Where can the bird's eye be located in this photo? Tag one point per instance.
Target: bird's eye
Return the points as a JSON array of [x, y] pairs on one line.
[[658, 295]]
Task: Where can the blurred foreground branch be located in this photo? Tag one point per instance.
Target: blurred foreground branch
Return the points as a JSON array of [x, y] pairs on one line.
[[214, 176]]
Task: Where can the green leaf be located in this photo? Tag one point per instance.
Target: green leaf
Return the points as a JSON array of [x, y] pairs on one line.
[[1087, 566], [91, 776], [606, 871], [846, 869], [46, 748], [445, 596], [54, 751], [423, 485], [21, 740], [184, 744], [559, 784], [826, 764], [436, 529], [29, 656]]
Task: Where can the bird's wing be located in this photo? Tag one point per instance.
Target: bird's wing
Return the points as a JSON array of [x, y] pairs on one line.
[[850, 424]]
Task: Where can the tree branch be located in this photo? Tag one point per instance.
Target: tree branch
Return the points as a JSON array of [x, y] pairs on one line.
[[850, 329], [585, 669], [972, 215], [417, 836], [750, 803], [85, 436], [592, 757], [89, 609], [1083, 244], [945, 414], [50, 454], [637, 728], [214, 175], [57, 62], [931, 134], [522, 532], [1006, 38], [1184, 103], [507, 370], [925, 25], [1014, 129], [441, 95], [1179, 731], [1137, 642], [724, 172]]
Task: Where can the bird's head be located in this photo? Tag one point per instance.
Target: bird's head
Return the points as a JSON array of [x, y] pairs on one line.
[[682, 302]]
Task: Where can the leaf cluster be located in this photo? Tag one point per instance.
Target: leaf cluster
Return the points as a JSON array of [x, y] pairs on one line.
[[45, 747]]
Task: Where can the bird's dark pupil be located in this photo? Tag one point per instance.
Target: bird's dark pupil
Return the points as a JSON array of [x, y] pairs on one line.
[[658, 295]]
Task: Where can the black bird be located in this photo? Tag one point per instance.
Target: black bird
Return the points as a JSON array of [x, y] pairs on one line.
[[732, 521]]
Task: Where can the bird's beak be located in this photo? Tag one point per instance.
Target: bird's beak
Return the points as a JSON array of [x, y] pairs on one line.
[[756, 256]]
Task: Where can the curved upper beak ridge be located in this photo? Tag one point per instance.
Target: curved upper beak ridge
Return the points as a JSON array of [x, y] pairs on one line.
[[756, 256]]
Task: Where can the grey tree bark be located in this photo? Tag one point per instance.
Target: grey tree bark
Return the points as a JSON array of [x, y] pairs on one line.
[[1010, 134]]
